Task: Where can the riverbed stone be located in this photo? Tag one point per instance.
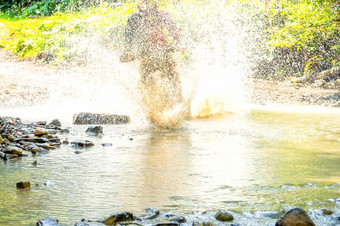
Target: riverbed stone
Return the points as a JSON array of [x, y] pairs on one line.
[[295, 217], [87, 118], [1, 139], [107, 144], [22, 185], [224, 215], [82, 143], [54, 123], [326, 212], [118, 217], [179, 219], [153, 213], [94, 130], [48, 221], [13, 150], [40, 132]]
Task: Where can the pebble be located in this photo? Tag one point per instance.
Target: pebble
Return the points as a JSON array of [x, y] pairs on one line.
[[22, 185]]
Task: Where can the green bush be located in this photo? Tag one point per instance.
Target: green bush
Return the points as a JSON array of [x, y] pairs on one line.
[[306, 36]]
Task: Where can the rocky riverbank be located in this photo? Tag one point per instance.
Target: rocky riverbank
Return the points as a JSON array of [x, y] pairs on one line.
[[154, 217]]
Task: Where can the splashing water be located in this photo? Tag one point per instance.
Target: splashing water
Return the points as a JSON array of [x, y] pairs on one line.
[[211, 73]]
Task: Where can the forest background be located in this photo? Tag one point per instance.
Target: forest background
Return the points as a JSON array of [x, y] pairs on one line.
[[294, 38]]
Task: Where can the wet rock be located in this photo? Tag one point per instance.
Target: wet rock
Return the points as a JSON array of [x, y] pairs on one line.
[[94, 130], [326, 212], [33, 139], [118, 217], [107, 144], [153, 213], [66, 142], [223, 215], [35, 149], [48, 221], [22, 185], [35, 163], [178, 219], [84, 118], [77, 152], [196, 223], [1, 139], [10, 156], [55, 123], [40, 132], [64, 131], [41, 123], [13, 150], [295, 217], [82, 143]]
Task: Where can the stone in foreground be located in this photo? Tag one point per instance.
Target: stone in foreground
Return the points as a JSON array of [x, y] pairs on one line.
[[223, 215], [295, 217], [22, 185], [86, 118], [48, 221], [118, 217]]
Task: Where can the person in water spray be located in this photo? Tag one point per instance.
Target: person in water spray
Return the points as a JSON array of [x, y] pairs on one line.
[[151, 36]]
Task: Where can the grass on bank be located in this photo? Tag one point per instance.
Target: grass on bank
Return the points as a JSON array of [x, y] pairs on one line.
[[30, 36]]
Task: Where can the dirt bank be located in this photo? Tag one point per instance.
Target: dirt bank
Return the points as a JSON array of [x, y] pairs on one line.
[[35, 87]]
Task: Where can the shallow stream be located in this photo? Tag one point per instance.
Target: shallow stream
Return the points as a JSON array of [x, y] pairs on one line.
[[248, 163]]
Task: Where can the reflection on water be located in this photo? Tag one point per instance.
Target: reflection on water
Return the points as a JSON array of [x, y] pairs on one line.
[[259, 160]]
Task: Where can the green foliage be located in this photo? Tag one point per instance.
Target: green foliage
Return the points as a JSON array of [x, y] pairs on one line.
[[45, 8], [305, 36], [56, 34], [309, 27]]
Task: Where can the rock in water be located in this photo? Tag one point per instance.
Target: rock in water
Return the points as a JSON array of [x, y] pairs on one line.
[[84, 118], [118, 217], [94, 130], [40, 132], [54, 123], [48, 221], [295, 217], [223, 215], [22, 185]]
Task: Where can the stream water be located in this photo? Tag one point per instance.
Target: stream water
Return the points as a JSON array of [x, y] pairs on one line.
[[255, 161], [248, 163]]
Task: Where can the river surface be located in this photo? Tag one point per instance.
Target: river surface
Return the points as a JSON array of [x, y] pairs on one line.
[[248, 163]]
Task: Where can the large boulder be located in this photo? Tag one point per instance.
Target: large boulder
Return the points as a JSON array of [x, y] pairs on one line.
[[295, 217], [86, 118]]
